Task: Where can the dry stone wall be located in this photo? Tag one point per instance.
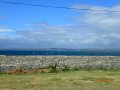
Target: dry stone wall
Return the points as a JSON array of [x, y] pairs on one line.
[[8, 63]]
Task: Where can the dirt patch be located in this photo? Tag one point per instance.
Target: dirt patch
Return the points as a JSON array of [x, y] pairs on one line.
[[30, 71], [105, 80]]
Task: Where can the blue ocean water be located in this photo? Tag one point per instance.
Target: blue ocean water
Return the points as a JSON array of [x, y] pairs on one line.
[[62, 52]]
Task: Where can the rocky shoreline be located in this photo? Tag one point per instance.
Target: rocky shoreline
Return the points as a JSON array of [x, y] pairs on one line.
[[8, 63]]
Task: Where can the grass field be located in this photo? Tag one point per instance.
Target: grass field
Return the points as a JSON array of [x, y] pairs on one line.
[[71, 80]]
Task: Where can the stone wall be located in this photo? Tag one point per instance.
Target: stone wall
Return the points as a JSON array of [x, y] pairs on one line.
[[29, 62]]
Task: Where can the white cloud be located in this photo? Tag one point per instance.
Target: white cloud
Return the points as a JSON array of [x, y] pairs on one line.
[[3, 29], [102, 20], [93, 29]]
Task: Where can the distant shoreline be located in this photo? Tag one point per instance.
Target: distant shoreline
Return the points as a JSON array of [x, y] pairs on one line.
[[63, 52]]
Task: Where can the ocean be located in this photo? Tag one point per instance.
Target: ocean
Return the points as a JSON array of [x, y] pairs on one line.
[[83, 52]]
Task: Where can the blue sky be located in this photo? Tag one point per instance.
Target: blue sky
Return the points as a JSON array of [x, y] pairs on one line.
[[38, 27]]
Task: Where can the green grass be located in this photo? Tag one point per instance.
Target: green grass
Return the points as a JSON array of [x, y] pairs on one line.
[[71, 80]]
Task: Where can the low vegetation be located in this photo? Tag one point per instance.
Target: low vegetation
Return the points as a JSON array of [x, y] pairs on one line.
[[70, 80], [54, 68]]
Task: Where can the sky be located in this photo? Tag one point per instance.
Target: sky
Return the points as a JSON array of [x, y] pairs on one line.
[[41, 27]]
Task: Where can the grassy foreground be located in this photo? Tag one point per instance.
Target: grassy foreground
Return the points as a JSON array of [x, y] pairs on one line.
[[71, 80]]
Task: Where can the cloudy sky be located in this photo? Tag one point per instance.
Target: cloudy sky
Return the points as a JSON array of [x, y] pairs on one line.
[[37, 27]]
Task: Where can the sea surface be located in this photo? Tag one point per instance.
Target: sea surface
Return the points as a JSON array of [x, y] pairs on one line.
[[62, 52]]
